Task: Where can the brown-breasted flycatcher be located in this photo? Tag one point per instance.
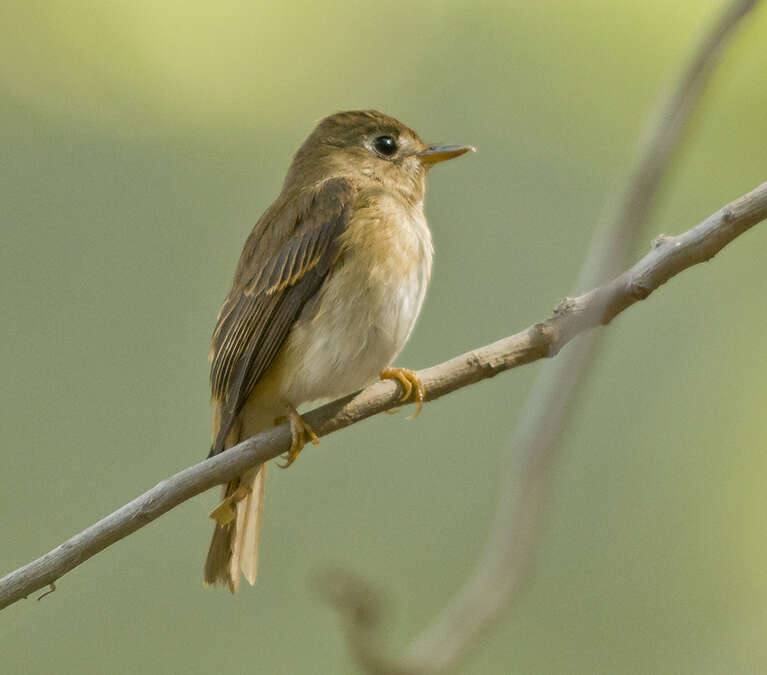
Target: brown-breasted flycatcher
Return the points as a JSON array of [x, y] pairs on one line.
[[326, 293]]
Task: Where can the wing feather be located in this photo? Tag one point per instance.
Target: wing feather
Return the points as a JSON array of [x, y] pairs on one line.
[[267, 298]]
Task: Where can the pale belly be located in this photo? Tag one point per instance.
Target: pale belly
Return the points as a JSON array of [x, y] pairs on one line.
[[357, 324]]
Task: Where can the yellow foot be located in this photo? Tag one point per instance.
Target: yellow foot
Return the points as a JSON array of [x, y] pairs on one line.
[[301, 433], [411, 384], [224, 513]]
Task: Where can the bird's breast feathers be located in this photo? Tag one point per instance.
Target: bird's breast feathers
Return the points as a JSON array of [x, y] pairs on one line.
[[367, 307]]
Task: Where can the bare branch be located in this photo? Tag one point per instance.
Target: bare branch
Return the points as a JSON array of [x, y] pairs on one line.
[[498, 577], [668, 257]]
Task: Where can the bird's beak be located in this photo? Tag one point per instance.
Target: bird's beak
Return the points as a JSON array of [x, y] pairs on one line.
[[439, 153]]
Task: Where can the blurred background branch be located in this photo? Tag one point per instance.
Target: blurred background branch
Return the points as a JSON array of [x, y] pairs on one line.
[[499, 576]]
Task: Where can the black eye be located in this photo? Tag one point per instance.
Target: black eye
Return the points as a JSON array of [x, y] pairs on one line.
[[385, 145]]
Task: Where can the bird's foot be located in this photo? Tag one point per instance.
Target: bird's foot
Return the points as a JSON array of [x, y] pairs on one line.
[[224, 513], [301, 433], [411, 384]]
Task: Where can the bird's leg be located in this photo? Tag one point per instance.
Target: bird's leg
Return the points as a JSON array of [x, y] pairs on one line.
[[411, 384], [301, 433]]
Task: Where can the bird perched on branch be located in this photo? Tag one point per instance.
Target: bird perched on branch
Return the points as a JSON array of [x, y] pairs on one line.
[[326, 293]]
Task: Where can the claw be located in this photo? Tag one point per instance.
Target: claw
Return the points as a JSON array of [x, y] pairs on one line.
[[224, 513], [301, 433], [411, 385]]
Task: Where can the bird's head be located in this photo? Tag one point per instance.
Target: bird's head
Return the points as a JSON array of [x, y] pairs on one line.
[[367, 143]]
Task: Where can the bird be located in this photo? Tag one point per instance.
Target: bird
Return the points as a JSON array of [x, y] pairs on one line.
[[325, 295]]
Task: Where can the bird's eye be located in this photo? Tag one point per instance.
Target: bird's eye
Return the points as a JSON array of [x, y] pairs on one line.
[[385, 145]]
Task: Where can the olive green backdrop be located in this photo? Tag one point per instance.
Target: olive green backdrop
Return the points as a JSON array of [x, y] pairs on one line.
[[139, 142]]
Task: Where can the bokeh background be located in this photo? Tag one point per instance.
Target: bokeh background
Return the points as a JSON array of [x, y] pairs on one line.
[[139, 142]]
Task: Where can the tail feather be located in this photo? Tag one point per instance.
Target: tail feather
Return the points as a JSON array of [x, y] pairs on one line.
[[217, 564], [234, 546], [250, 512]]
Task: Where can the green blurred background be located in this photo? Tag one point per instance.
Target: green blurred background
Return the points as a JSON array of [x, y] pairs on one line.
[[140, 141]]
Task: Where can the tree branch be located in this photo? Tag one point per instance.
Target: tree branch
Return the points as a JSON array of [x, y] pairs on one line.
[[669, 256]]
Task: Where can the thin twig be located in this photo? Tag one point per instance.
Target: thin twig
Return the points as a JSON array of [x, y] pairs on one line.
[[668, 257], [497, 579], [45, 594]]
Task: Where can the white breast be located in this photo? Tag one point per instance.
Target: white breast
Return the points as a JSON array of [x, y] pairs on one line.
[[364, 313]]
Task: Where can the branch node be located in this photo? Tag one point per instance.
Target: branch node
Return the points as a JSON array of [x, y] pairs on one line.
[[565, 306], [637, 290]]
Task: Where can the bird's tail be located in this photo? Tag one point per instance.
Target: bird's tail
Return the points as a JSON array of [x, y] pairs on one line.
[[234, 546]]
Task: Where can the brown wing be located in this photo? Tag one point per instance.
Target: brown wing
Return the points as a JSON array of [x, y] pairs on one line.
[[274, 280]]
